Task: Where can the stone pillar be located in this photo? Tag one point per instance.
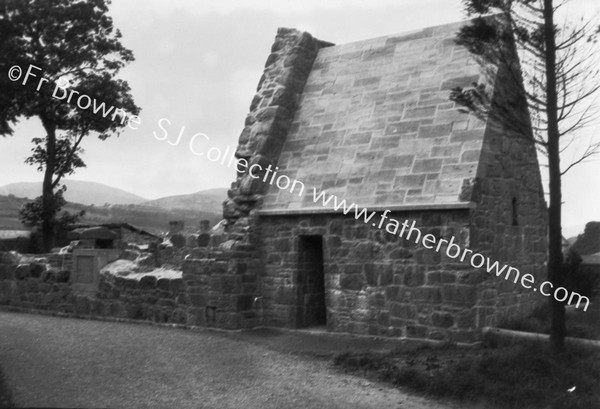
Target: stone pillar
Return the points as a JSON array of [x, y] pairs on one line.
[[176, 226]]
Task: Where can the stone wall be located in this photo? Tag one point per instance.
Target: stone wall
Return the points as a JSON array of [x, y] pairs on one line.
[[29, 286], [222, 291], [510, 221], [377, 283]]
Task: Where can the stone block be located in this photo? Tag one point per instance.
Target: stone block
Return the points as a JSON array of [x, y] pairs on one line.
[[367, 82], [166, 302], [179, 316], [440, 277], [416, 331], [434, 131], [457, 294], [400, 253], [7, 272], [471, 277], [371, 276], [386, 275], [420, 112], [198, 299], [164, 284], [82, 305], [425, 294], [397, 161], [403, 127], [468, 318], [245, 302], [358, 138], [353, 282], [392, 292], [377, 301], [22, 271], [442, 319], [427, 166], [10, 258], [147, 282], [404, 311], [414, 278]]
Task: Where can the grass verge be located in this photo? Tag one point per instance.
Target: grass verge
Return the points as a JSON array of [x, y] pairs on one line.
[[5, 395], [508, 377], [579, 323]]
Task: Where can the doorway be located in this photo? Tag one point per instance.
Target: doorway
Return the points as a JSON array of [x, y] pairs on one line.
[[311, 307]]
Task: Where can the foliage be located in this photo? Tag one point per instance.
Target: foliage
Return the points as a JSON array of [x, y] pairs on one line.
[[75, 44], [31, 214], [589, 242]]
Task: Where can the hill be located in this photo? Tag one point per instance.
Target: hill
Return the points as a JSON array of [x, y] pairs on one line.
[[9, 212], [153, 219], [206, 200], [86, 193]]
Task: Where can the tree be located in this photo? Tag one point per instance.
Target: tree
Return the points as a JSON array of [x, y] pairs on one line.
[[557, 83], [59, 61]]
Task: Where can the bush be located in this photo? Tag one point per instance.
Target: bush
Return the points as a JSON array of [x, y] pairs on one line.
[[583, 280]]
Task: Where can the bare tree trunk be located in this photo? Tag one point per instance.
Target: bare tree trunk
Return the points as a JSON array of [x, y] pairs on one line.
[[48, 207], [555, 258]]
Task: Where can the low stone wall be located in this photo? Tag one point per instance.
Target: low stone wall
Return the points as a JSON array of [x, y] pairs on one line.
[[31, 286]]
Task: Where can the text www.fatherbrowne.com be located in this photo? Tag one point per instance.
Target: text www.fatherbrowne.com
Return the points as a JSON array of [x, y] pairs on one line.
[[408, 231]]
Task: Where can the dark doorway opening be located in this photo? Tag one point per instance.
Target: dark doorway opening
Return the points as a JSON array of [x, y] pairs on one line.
[[311, 283]]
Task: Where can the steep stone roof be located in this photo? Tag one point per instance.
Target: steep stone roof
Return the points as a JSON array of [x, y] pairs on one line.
[[375, 126]]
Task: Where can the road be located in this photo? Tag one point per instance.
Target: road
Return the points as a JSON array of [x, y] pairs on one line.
[[63, 362]]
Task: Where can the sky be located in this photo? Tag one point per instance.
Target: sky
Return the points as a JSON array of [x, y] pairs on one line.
[[197, 65]]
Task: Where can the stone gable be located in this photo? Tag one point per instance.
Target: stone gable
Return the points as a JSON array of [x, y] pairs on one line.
[[375, 125]]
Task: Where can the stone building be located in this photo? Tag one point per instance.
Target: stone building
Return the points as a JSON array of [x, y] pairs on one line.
[[371, 122]]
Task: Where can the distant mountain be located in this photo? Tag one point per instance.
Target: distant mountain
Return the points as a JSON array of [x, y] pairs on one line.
[[9, 212], [153, 219], [206, 200], [86, 193]]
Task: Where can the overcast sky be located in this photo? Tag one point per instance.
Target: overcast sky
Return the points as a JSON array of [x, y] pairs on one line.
[[198, 64]]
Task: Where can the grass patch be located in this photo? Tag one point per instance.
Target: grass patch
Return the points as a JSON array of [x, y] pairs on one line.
[[5, 395], [579, 323], [509, 377]]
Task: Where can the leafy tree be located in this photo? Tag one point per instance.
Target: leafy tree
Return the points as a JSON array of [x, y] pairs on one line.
[[557, 83], [31, 213], [68, 54]]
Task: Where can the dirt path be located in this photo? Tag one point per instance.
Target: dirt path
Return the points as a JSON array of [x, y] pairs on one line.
[[62, 362]]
